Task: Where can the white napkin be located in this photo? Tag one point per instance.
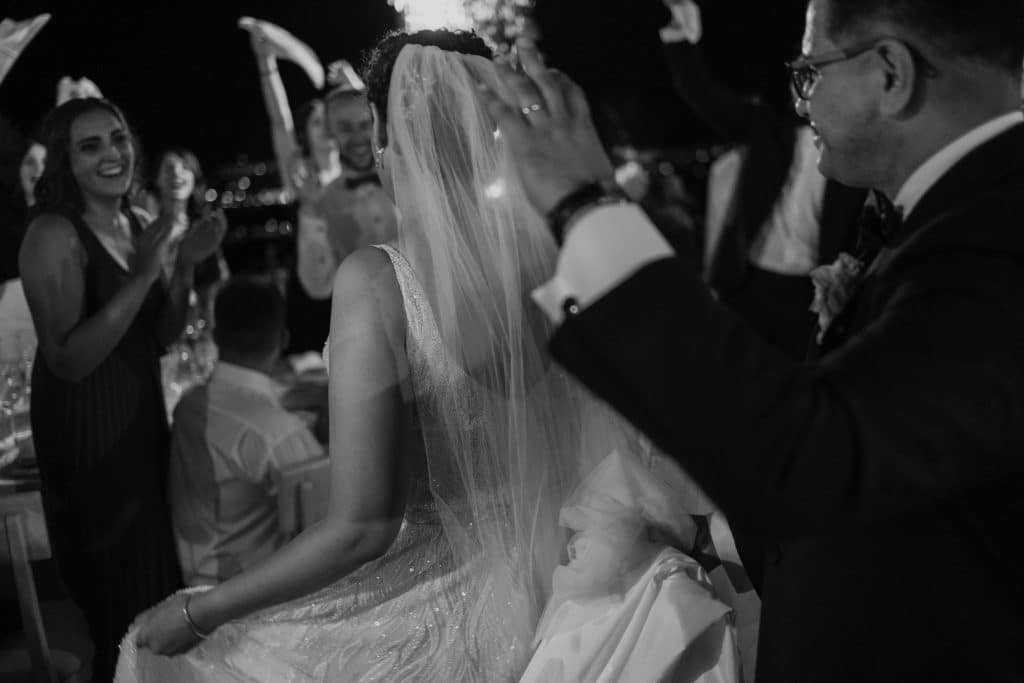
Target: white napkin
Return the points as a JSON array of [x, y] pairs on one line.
[[14, 37], [291, 47]]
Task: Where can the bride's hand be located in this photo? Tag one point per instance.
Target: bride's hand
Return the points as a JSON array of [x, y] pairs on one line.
[[163, 629]]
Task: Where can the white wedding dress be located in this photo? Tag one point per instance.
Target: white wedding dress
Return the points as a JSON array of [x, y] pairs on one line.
[[512, 445], [623, 609]]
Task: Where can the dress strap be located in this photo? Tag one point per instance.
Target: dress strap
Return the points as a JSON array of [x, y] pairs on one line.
[[423, 333]]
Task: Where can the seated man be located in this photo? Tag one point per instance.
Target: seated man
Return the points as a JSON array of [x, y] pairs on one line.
[[231, 437]]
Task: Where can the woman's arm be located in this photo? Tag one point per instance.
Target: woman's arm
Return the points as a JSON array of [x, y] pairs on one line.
[[275, 99], [175, 310], [368, 471], [316, 265], [52, 267]]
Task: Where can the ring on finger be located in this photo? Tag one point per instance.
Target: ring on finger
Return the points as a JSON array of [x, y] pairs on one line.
[[531, 108]]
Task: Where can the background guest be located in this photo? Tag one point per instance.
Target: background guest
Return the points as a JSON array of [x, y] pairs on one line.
[[307, 159], [357, 210], [176, 187], [94, 277], [231, 437], [773, 215], [21, 163]]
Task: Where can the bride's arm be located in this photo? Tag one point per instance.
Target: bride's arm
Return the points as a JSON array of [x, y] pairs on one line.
[[367, 364]]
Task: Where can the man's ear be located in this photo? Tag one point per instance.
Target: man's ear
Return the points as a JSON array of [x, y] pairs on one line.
[[902, 77]]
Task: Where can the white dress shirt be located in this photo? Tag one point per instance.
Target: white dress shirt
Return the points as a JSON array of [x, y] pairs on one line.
[[230, 438], [609, 244]]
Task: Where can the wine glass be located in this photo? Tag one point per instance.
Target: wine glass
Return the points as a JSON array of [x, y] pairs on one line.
[[12, 387]]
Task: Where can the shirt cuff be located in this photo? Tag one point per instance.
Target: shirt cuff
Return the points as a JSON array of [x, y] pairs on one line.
[[603, 248]]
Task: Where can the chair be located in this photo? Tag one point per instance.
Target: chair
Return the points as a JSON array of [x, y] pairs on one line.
[[302, 494], [23, 540]]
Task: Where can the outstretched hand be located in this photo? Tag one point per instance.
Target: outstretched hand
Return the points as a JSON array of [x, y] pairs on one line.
[[547, 127]]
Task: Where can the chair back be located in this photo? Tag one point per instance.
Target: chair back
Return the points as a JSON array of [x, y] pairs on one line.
[[302, 494], [23, 539]]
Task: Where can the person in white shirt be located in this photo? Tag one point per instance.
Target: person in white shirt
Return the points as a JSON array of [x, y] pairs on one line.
[[885, 473], [231, 437]]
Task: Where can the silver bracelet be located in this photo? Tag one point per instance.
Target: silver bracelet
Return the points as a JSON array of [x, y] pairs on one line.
[[191, 624]]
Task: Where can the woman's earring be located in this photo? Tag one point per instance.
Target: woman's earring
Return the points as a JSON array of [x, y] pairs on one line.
[[378, 157]]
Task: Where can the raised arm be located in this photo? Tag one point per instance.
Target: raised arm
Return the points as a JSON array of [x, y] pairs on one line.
[[368, 471], [52, 263], [275, 99], [721, 108]]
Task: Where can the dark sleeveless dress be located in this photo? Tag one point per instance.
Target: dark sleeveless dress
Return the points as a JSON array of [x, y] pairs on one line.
[[103, 446]]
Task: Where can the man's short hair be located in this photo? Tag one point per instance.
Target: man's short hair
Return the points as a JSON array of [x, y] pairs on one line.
[[987, 30], [249, 316]]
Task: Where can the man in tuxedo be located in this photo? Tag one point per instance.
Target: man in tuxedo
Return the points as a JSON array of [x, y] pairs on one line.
[[887, 473]]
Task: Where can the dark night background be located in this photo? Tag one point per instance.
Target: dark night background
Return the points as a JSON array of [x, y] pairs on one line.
[[184, 72]]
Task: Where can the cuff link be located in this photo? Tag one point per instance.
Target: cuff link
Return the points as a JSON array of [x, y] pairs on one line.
[[571, 307]]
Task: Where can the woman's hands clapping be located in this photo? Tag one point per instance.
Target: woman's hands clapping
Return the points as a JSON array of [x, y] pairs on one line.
[[152, 248], [202, 238]]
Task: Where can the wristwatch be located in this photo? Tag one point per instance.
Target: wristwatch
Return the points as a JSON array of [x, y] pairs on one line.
[[579, 202]]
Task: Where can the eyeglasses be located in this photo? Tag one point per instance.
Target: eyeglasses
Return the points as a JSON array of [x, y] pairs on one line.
[[804, 71]]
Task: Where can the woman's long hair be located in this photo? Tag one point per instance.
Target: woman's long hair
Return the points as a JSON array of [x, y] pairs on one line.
[[57, 189]]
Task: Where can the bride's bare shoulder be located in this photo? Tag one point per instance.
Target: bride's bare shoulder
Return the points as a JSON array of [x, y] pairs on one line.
[[366, 284]]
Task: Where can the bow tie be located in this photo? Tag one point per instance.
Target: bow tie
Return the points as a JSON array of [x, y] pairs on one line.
[[879, 222], [353, 183]]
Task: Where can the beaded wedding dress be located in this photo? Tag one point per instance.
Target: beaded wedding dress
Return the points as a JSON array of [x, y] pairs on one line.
[[510, 442]]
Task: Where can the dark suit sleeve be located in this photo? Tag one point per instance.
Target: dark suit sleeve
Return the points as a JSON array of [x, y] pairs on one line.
[[924, 403], [729, 115]]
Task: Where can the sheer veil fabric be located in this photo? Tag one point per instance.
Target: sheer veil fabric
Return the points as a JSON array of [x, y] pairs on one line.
[[507, 436], [504, 438], [521, 447]]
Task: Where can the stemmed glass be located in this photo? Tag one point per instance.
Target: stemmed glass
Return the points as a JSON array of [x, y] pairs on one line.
[[12, 388]]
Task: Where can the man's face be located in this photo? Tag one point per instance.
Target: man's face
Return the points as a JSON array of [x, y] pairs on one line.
[[351, 125], [841, 106]]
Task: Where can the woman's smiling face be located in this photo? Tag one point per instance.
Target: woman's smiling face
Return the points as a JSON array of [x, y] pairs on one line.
[[102, 154]]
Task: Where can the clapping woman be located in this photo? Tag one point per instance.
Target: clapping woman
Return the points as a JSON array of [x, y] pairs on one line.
[[105, 298]]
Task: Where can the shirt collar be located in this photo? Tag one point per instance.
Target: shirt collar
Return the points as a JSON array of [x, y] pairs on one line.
[[929, 173], [245, 378]]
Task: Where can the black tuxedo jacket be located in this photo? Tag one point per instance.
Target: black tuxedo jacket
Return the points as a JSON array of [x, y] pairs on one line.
[[887, 476]]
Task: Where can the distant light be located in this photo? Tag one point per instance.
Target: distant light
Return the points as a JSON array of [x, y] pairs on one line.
[[424, 14], [495, 189], [228, 198], [243, 183], [260, 169], [211, 195]]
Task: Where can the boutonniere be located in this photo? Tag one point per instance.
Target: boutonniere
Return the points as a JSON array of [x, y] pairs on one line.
[[833, 287]]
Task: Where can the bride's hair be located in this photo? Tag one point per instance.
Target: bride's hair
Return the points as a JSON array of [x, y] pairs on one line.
[[380, 61]]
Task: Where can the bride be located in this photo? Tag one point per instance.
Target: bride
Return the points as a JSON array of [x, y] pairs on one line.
[[454, 442]]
